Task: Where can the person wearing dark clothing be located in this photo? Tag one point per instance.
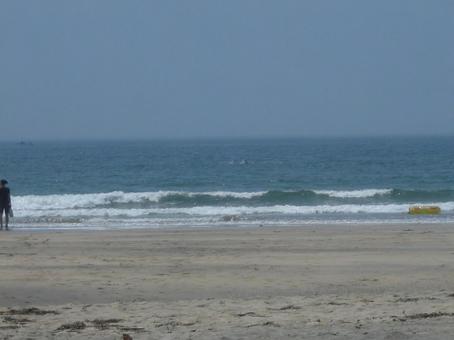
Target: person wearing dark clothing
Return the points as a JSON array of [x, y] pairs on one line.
[[5, 203]]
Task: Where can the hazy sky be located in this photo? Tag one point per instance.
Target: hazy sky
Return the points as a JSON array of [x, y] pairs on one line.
[[152, 69]]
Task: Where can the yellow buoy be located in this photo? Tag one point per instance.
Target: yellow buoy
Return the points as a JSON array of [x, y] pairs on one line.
[[424, 210]]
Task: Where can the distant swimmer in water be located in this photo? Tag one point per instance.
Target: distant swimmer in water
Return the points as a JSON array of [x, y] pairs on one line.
[[5, 203]]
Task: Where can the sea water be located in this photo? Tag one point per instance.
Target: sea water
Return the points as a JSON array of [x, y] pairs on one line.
[[158, 184]]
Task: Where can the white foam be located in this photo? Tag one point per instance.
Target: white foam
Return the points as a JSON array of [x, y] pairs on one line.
[[354, 193], [80, 201], [223, 210]]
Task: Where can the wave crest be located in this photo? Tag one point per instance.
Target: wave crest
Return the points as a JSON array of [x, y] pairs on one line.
[[163, 199], [354, 193]]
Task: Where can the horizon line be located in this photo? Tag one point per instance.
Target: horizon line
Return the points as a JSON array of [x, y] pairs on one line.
[[182, 138]]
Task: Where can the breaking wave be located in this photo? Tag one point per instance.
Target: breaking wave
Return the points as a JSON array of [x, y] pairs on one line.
[[161, 199], [177, 207]]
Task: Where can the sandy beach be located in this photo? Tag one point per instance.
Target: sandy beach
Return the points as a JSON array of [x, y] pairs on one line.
[[312, 282]]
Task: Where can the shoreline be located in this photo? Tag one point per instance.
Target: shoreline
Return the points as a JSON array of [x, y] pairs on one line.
[[235, 226], [255, 283]]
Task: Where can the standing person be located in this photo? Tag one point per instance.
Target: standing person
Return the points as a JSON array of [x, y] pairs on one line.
[[5, 203]]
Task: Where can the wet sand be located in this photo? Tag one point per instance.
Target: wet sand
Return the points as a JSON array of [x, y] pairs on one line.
[[312, 282]]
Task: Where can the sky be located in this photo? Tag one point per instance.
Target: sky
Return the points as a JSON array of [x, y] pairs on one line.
[[240, 68]]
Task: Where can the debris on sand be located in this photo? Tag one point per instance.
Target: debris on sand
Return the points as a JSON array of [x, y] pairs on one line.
[[9, 327], [132, 329], [334, 303], [266, 323], [286, 307], [173, 323], [247, 314], [407, 299], [28, 311], [72, 327], [104, 323], [422, 316], [16, 321], [428, 315], [414, 299], [290, 307]]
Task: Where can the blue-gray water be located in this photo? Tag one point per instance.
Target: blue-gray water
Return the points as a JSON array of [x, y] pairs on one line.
[[216, 182]]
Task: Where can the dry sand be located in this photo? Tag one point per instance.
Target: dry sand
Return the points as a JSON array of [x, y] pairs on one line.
[[319, 282]]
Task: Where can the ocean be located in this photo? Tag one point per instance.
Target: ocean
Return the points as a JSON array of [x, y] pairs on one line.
[[211, 183]]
